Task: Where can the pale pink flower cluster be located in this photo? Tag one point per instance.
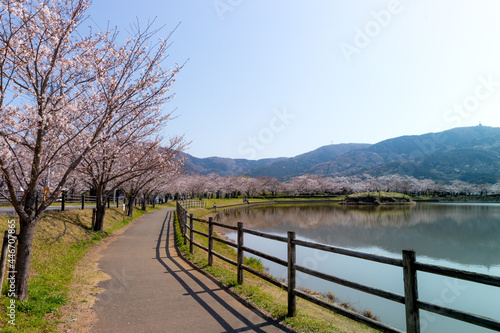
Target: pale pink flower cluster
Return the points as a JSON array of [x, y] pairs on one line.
[[192, 186], [65, 95], [71, 101]]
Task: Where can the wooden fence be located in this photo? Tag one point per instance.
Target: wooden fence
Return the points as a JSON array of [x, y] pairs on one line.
[[63, 199], [193, 203], [82, 199], [408, 263], [5, 194], [9, 240], [73, 199]]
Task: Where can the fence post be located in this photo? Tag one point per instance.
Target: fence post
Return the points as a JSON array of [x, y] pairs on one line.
[[292, 300], [240, 253], [411, 292], [210, 241], [191, 234], [179, 217], [63, 201], [83, 201], [3, 259], [184, 224]]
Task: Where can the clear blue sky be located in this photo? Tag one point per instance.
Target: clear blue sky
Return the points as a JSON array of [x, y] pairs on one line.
[[283, 77]]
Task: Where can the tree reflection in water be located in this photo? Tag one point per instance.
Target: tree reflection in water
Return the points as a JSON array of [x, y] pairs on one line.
[[467, 234]]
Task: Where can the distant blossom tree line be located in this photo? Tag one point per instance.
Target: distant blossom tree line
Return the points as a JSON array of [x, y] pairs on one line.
[[215, 186]]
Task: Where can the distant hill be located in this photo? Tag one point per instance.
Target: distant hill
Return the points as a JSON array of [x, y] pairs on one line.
[[471, 154], [290, 167], [468, 153], [224, 166]]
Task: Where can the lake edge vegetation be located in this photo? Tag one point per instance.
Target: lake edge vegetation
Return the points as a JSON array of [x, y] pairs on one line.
[[378, 198]]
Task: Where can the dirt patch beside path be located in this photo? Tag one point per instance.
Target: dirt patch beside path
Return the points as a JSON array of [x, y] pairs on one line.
[[78, 315]]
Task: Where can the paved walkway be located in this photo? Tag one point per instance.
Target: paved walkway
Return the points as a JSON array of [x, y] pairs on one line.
[[152, 289]]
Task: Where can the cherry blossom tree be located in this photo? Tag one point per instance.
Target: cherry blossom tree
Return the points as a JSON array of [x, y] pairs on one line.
[[168, 169], [163, 165], [494, 188], [195, 185], [116, 162], [61, 95]]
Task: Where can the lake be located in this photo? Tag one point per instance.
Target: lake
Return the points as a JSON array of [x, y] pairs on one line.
[[463, 236]]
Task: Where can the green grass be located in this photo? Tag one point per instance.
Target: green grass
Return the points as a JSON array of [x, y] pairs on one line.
[[61, 240], [239, 201], [254, 263], [230, 202], [381, 194]]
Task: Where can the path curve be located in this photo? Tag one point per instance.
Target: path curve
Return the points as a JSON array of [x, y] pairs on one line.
[[152, 289]]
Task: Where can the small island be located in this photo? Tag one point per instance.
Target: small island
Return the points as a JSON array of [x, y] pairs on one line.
[[378, 198]]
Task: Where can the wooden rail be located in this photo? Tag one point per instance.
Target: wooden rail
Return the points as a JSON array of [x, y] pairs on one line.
[[9, 240], [408, 263], [63, 199], [193, 203]]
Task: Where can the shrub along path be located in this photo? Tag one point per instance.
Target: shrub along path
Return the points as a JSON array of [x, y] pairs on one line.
[[152, 289]]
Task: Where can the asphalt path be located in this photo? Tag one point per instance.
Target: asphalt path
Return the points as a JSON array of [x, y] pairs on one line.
[[153, 289]]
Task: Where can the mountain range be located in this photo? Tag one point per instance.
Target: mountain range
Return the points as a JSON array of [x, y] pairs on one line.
[[470, 154]]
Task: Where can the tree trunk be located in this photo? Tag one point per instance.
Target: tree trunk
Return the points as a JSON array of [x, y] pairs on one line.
[[130, 205], [101, 199], [143, 203], [23, 257], [99, 216]]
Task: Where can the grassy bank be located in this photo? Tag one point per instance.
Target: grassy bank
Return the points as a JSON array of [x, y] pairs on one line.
[[61, 240], [377, 198], [235, 202], [268, 298]]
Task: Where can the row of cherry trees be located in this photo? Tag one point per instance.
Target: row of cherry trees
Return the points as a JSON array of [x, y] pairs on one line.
[[77, 103], [231, 186]]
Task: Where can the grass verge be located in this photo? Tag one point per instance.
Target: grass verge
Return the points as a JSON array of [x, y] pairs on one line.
[[61, 240]]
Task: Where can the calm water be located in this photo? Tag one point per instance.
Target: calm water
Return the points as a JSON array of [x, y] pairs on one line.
[[464, 236]]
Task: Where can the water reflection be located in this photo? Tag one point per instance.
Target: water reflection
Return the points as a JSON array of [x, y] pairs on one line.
[[462, 233], [454, 235]]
